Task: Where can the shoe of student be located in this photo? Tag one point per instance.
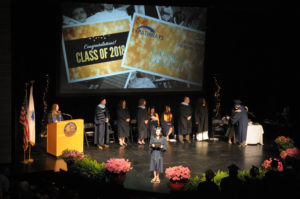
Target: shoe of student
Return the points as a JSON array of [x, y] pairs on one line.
[[106, 145], [157, 180], [100, 147]]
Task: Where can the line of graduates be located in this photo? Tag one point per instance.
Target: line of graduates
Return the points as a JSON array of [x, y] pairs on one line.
[[148, 120]]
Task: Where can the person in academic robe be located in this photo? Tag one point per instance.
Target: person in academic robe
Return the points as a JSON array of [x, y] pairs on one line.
[[232, 186], [167, 122], [101, 138], [240, 118], [231, 129], [54, 115], [208, 187], [184, 120], [157, 147], [201, 119], [123, 119], [154, 120], [142, 121]]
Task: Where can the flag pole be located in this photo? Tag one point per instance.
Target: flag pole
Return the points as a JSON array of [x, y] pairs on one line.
[[30, 160], [25, 161], [29, 156]]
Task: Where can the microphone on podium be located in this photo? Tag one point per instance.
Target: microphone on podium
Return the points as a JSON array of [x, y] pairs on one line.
[[67, 115]]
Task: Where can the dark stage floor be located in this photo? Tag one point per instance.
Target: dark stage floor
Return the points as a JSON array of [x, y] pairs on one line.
[[198, 156]]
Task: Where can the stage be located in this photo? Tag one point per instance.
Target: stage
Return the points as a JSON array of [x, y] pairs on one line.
[[198, 156]]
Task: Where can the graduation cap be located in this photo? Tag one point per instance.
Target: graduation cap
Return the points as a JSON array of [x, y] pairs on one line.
[[237, 102], [233, 167], [209, 174], [254, 171], [158, 128]]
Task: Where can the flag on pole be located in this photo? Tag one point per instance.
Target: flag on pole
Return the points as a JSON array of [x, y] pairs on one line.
[[23, 120], [31, 118]]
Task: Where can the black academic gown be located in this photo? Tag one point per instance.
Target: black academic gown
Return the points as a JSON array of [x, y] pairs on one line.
[[184, 125], [231, 128], [141, 116], [201, 116], [153, 124], [231, 186], [101, 132], [241, 120], [157, 154], [123, 126]]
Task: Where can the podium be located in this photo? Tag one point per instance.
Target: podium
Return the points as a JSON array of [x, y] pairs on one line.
[[67, 134]]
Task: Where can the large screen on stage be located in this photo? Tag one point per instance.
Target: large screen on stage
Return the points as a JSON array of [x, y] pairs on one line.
[[125, 48]]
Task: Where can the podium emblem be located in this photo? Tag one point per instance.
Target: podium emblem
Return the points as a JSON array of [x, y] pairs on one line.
[[70, 129]]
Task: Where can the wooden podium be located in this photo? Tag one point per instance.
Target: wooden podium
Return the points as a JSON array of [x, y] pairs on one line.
[[63, 135]]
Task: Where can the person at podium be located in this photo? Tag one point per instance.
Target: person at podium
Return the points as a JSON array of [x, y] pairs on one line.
[[55, 115], [101, 138]]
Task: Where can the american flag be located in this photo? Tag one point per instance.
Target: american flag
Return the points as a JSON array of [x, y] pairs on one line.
[[24, 121]]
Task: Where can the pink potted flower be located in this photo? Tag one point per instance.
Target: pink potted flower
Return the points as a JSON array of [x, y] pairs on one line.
[[292, 152], [284, 142], [177, 176], [272, 163], [71, 156], [117, 169]]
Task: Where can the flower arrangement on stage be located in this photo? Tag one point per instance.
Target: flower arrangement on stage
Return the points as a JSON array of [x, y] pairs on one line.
[[284, 142], [118, 165], [178, 174], [71, 156], [272, 163], [292, 152]]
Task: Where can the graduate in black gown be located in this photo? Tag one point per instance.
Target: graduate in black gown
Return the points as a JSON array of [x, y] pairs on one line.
[[232, 186], [240, 118], [123, 119], [208, 187], [157, 147], [154, 120], [184, 120], [201, 119], [231, 129], [142, 118], [167, 122], [101, 138]]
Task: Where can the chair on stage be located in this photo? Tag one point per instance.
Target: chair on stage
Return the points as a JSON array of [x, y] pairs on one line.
[[111, 133], [218, 129], [133, 129], [89, 133]]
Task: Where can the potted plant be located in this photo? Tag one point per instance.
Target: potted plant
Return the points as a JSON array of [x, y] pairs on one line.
[[284, 143], [272, 164], [292, 152], [71, 156], [117, 169], [177, 176], [89, 170]]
